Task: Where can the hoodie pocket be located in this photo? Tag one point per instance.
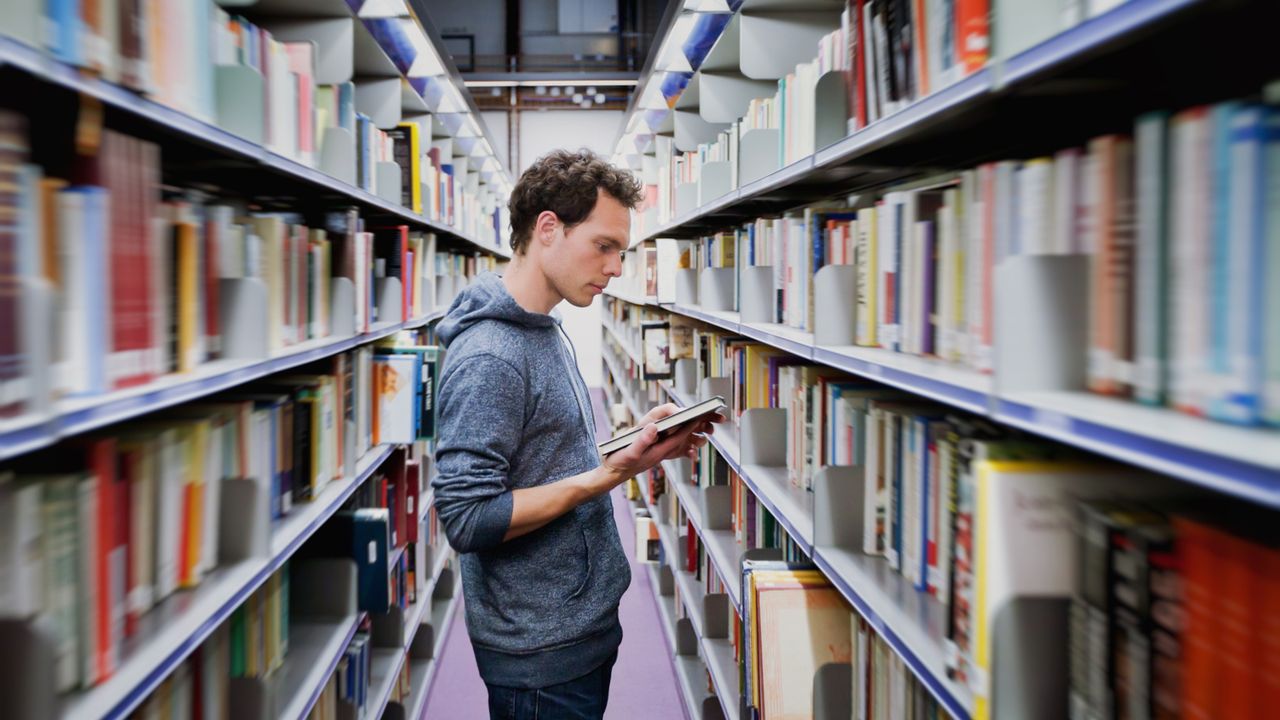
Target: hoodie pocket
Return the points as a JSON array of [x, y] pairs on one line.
[[586, 564]]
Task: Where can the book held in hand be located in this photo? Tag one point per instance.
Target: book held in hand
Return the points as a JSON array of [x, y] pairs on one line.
[[666, 425]]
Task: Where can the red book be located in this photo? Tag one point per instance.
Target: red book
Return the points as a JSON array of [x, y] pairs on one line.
[[302, 279], [125, 175], [1199, 553], [857, 87], [128, 467], [209, 260], [413, 489], [691, 547], [98, 456], [973, 31]]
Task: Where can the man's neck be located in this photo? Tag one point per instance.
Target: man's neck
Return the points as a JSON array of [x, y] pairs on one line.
[[529, 287]]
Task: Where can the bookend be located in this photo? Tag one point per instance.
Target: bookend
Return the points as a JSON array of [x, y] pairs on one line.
[[379, 99], [387, 176], [717, 507], [835, 291], [726, 92], [244, 520], [390, 301], [1029, 670], [716, 289], [334, 39], [26, 684], [687, 286], [763, 435], [245, 333], [686, 198], [685, 372], [711, 709], [678, 470], [423, 648], [716, 181], [686, 638], [250, 697], [388, 629], [715, 616], [1041, 330], [838, 507], [338, 155], [239, 101], [833, 692], [444, 291], [444, 588], [322, 588], [691, 128], [666, 581], [757, 302], [712, 387], [394, 711], [37, 318], [758, 154], [342, 308], [24, 20], [830, 109], [791, 34]]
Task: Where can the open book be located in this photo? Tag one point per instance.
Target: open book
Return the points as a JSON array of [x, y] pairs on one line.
[[666, 425]]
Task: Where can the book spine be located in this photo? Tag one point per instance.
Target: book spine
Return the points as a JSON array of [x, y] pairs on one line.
[[1151, 258]]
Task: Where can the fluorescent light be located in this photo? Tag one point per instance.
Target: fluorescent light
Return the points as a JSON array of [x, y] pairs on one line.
[[545, 83]]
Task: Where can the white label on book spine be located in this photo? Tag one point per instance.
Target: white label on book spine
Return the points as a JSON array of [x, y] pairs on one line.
[[1122, 371], [373, 552]]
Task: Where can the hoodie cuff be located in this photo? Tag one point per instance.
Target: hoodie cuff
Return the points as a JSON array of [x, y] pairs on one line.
[[493, 521]]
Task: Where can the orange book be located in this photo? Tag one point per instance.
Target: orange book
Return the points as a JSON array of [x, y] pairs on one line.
[[973, 27], [1197, 545]]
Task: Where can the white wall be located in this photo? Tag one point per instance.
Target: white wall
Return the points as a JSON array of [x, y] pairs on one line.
[[543, 131]]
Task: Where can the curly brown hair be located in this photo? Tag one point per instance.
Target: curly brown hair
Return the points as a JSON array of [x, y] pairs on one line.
[[567, 183]]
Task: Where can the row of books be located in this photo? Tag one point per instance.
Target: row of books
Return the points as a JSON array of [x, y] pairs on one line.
[[176, 53], [106, 526], [252, 643], [1174, 221], [137, 278]]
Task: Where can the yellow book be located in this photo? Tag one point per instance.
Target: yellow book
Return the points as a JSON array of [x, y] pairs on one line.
[[415, 164], [270, 232], [197, 436], [186, 291], [1025, 546]]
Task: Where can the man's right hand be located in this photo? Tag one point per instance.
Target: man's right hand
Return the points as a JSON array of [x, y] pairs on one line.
[[648, 450]]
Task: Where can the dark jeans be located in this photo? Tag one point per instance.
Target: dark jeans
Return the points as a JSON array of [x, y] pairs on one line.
[[583, 698]]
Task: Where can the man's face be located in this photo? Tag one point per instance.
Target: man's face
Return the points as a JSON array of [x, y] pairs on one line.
[[581, 260]]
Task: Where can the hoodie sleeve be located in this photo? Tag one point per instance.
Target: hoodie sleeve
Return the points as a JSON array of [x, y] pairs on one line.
[[481, 422]]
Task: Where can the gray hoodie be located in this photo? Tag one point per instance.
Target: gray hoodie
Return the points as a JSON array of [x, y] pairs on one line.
[[514, 413]]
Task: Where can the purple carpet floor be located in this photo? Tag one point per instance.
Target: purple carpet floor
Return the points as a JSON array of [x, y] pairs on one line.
[[644, 682]]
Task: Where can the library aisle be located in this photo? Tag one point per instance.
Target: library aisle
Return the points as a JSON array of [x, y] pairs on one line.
[[644, 683]]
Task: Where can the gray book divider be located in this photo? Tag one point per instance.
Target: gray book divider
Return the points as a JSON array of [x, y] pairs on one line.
[[726, 92], [379, 99], [711, 709], [249, 697], [240, 101], [686, 198], [717, 507], [666, 581], [240, 304], [790, 29], [37, 317], [338, 155], [833, 692], [716, 289], [715, 616], [723, 387], [758, 154], [387, 176], [26, 683], [716, 182], [244, 520], [1041, 329], [342, 308], [838, 496], [763, 435], [24, 20], [445, 585], [830, 109], [756, 301], [334, 40], [394, 711], [835, 292], [687, 286], [387, 290], [685, 374], [424, 643], [680, 470], [1029, 667], [444, 290], [686, 638], [690, 128], [388, 628]]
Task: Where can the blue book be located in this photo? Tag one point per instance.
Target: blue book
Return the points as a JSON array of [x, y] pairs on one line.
[[371, 547], [64, 29], [1239, 263]]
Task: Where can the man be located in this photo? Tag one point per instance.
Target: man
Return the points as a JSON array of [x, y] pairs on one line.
[[520, 486]]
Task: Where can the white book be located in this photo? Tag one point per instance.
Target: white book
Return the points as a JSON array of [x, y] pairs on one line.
[[21, 556], [1189, 259], [1035, 207], [213, 474], [1151, 251], [69, 371], [169, 488], [1066, 201], [1271, 240]]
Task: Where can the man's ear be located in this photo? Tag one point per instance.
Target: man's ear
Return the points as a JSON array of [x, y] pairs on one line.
[[545, 227]]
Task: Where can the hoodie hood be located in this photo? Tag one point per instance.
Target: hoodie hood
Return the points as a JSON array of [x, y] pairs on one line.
[[486, 298]]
